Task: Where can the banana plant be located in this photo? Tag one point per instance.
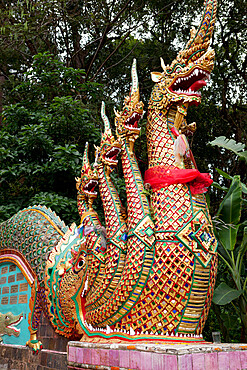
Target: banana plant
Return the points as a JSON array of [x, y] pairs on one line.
[[231, 232]]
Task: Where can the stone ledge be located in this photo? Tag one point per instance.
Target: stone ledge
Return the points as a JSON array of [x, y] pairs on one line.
[[227, 356], [22, 358], [169, 348]]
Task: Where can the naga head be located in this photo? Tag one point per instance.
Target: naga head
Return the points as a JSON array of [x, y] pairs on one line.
[[180, 82], [126, 121], [109, 147], [88, 181], [8, 323]]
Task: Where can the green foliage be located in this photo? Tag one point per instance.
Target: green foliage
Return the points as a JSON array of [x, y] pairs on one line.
[[65, 207], [43, 136], [231, 144], [229, 213], [224, 294], [231, 233]]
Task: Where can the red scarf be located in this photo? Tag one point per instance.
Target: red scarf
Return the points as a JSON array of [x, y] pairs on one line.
[[162, 176]]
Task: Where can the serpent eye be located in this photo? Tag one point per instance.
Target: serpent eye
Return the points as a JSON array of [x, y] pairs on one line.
[[80, 263], [6, 317]]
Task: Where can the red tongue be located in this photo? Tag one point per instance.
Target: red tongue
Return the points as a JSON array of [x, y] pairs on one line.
[[198, 85]]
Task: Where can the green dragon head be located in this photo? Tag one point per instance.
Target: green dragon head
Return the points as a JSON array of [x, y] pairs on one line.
[[180, 82], [65, 278], [8, 322]]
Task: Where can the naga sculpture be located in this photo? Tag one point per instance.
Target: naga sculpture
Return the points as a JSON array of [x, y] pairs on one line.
[[149, 274], [167, 280]]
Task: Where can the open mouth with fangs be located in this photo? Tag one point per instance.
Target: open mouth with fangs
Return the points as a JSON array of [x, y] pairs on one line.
[[190, 84], [131, 123], [111, 155], [12, 325], [90, 186]]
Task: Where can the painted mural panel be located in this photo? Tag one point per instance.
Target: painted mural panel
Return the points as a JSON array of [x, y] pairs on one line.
[[15, 293]]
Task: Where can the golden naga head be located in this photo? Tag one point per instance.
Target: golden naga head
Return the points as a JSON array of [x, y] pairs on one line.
[[109, 147], [181, 81], [88, 181], [126, 121]]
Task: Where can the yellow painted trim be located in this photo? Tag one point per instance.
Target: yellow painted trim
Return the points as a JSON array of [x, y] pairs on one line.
[[15, 261], [47, 217]]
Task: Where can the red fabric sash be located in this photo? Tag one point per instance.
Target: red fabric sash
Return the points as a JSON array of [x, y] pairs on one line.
[[161, 176]]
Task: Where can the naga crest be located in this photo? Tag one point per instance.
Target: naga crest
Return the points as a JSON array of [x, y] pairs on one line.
[[180, 81], [126, 121]]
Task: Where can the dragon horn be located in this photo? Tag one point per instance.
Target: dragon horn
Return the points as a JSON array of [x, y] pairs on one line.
[[117, 114], [97, 149], [85, 160], [163, 64], [134, 91], [200, 38], [134, 77], [105, 118]]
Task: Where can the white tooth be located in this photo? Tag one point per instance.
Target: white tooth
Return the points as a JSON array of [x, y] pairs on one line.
[[86, 284], [132, 332], [176, 335], [108, 330]]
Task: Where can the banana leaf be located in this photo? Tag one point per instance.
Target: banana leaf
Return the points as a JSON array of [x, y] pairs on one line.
[[230, 144], [229, 212], [224, 294]]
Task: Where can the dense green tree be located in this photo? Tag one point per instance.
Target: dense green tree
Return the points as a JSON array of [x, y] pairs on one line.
[[43, 137]]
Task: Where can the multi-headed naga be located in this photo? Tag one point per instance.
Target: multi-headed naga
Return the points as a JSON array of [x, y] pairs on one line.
[[149, 274], [167, 281]]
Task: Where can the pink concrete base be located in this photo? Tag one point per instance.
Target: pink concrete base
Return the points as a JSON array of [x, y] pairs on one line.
[[82, 355]]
